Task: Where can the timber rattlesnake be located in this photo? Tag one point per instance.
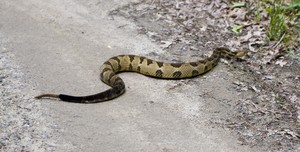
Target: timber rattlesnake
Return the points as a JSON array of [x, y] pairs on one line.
[[145, 66]]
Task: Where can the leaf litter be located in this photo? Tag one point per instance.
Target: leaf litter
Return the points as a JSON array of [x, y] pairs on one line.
[[269, 79]]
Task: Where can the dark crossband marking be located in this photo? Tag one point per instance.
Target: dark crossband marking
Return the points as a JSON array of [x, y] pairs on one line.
[[194, 64], [177, 74], [106, 69], [202, 61], [116, 59], [149, 61], [142, 59], [159, 73], [131, 57], [176, 65], [110, 77], [205, 68], [160, 64], [108, 63], [195, 72], [130, 67], [138, 69]]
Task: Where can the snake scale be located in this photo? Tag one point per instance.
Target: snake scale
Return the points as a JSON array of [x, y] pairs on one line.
[[145, 66]]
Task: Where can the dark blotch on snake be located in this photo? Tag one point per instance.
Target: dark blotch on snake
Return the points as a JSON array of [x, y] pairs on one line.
[[176, 65], [195, 72], [205, 68], [194, 64], [131, 57], [177, 74], [160, 64], [130, 67], [103, 71], [149, 61], [116, 59], [142, 59], [159, 73], [138, 69], [110, 76], [108, 63]]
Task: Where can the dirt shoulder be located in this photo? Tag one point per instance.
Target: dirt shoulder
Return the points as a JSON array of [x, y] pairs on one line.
[[267, 114]]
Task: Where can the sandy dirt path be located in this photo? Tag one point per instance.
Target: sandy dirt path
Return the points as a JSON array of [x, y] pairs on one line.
[[58, 46]]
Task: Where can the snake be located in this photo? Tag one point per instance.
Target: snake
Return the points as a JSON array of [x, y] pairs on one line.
[[148, 67]]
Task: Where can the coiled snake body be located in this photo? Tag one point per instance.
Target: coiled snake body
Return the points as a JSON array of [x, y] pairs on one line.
[[145, 66]]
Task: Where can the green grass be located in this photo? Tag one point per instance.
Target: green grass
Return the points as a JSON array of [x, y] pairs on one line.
[[283, 17], [277, 26], [280, 17]]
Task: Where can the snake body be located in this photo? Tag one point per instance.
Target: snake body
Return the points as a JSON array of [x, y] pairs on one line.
[[145, 66]]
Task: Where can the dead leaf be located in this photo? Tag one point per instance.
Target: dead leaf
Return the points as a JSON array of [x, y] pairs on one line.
[[281, 62]]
